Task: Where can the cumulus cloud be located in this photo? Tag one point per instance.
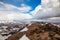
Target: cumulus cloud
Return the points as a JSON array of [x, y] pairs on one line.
[[9, 12], [47, 9]]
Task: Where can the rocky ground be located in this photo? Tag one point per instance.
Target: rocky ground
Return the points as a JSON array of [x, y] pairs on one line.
[[33, 31], [8, 29], [39, 31]]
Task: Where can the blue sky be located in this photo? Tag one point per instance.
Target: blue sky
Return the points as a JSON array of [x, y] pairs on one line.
[[17, 9], [32, 3], [28, 9]]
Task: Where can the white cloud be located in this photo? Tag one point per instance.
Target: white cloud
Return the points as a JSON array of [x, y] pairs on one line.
[[36, 10], [23, 8], [11, 15], [9, 12], [48, 8], [54, 18]]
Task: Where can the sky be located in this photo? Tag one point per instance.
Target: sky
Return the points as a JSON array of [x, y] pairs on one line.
[[29, 9], [18, 3], [48, 8], [17, 9]]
